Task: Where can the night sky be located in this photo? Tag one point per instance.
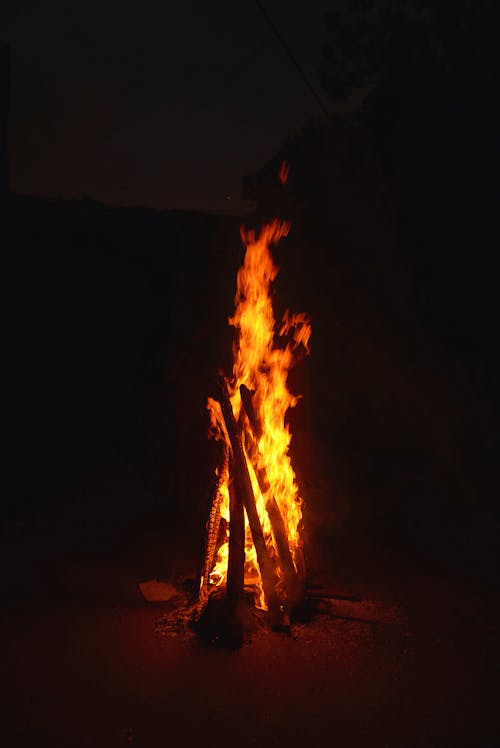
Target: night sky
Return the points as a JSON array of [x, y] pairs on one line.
[[154, 104]]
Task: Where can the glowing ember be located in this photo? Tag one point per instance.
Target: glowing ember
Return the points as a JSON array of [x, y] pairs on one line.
[[264, 352]]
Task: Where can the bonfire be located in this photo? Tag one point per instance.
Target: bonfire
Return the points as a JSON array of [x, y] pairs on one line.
[[253, 534]]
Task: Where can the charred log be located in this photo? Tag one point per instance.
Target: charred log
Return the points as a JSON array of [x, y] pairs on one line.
[[247, 400], [236, 560], [212, 531], [294, 587], [243, 486]]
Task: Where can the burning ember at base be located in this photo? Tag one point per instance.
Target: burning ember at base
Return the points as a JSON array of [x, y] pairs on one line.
[[252, 537]]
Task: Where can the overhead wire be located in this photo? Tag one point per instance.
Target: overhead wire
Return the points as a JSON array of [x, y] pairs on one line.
[[291, 56]]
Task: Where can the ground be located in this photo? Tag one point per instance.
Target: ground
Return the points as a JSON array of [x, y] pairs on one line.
[[86, 663]]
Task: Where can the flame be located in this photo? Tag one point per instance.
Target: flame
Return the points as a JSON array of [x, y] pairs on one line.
[[263, 353], [284, 172]]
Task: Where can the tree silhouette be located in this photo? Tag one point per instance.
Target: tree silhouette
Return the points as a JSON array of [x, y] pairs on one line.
[[381, 45], [423, 76]]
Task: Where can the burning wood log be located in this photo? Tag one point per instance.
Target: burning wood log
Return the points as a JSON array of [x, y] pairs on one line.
[[212, 531], [244, 487], [236, 558], [293, 587], [247, 400], [232, 630]]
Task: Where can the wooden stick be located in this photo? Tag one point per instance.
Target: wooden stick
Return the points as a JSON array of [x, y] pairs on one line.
[[244, 486], [247, 400], [293, 588], [321, 594], [211, 534], [236, 559], [315, 589]]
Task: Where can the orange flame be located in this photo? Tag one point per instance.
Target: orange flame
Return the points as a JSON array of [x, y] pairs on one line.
[[262, 364], [284, 172]]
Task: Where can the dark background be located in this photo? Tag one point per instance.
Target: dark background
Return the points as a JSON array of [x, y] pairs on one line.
[[134, 142], [166, 107], [115, 316]]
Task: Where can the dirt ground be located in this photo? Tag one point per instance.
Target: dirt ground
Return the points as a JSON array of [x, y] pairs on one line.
[[86, 662]]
